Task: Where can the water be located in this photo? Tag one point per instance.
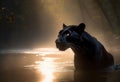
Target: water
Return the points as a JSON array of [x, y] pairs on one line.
[[47, 68]]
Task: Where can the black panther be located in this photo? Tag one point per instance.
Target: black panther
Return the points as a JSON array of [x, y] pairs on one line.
[[89, 53]]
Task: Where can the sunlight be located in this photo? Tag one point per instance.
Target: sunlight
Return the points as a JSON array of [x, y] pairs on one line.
[[47, 69], [47, 51], [50, 51], [51, 61], [43, 51]]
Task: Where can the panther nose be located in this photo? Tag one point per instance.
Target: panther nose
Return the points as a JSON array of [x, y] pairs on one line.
[[57, 41]]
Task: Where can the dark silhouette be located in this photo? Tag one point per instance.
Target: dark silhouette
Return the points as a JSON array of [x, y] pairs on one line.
[[90, 76], [90, 54]]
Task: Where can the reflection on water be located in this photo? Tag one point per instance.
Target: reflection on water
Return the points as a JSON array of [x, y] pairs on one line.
[[47, 69], [32, 68], [49, 66]]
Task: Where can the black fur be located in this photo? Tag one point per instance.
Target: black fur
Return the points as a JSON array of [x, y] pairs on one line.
[[90, 54]]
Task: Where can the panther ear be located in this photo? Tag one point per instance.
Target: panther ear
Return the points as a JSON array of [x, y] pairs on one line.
[[81, 27], [64, 26]]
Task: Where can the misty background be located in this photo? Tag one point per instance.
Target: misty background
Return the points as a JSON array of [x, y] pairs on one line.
[[36, 23]]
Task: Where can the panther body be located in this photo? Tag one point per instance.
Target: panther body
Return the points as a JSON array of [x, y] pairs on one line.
[[89, 53]]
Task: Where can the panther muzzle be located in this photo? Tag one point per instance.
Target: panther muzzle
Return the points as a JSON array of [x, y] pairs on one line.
[[61, 45]]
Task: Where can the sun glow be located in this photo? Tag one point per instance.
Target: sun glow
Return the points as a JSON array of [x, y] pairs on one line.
[[50, 63], [47, 51], [43, 51], [47, 69]]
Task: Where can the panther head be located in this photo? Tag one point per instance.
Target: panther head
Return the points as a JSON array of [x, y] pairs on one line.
[[69, 35]]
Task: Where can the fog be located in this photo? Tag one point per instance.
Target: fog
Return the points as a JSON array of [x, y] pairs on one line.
[[36, 23]]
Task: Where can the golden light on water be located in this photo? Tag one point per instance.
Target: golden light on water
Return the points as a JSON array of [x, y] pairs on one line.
[[52, 67], [43, 51], [51, 61], [46, 51], [47, 68]]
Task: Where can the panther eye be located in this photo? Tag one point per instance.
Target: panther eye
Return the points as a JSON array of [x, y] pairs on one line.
[[67, 34]]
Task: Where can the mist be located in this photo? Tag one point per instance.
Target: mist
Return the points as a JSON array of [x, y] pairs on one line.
[[36, 23]]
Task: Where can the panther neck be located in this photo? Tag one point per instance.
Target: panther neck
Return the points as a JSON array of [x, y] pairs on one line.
[[78, 49], [88, 43]]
